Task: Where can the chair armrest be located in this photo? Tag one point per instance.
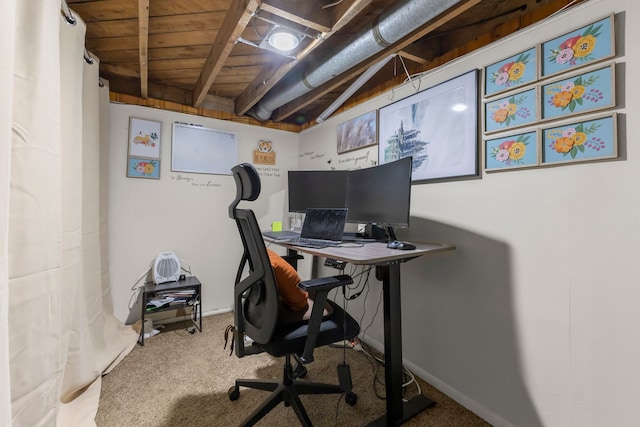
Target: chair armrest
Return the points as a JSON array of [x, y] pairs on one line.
[[321, 287], [325, 283]]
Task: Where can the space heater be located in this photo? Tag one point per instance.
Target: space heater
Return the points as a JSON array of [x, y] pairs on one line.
[[166, 268]]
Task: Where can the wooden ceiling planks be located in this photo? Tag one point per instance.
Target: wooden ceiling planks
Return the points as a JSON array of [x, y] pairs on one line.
[[191, 57]]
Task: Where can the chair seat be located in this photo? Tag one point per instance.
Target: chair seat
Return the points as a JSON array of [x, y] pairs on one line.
[[291, 338]]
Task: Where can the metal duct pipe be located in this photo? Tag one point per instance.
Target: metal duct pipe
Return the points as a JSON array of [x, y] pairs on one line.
[[394, 24]]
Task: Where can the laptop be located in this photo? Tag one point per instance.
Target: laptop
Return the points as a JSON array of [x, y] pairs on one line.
[[322, 227]]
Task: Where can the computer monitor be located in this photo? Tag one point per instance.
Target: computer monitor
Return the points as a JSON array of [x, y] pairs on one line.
[[380, 194], [317, 189]]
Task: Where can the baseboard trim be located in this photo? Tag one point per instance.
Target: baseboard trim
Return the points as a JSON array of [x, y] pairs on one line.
[[464, 400]]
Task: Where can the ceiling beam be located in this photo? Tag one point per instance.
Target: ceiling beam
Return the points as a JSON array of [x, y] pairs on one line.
[[304, 13], [270, 76], [143, 45], [292, 107], [419, 54], [238, 17]]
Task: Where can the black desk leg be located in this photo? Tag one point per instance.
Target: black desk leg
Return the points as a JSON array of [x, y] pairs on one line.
[[397, 411]]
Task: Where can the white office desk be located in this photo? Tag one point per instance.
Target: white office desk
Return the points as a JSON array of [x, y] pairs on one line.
[[387, 262]]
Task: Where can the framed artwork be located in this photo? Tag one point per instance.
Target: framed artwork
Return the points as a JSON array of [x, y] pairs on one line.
[[437, 126], [586, 45], [590, 91], [512, 151], [591, 139], [517, 70], [143, 168], [512, 111], [144, 138], [357, 133]]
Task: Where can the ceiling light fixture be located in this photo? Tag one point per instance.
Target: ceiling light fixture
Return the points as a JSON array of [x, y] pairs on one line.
[[283, 39]]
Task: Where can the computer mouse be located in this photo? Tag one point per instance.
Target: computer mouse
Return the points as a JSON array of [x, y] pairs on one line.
[[393, 244], [405, 246]]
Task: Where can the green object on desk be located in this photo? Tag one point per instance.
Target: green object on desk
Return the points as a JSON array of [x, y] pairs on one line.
[[276, 226]]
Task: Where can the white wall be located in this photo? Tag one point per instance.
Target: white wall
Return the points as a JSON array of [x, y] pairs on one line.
[[185, 212], [534, 319]]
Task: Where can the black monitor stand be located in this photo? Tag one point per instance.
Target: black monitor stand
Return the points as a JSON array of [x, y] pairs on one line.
[[391, 233], [379, 233]]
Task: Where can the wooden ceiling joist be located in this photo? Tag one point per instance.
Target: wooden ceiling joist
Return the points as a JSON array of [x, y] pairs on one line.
[[235, 22], [143, 45]]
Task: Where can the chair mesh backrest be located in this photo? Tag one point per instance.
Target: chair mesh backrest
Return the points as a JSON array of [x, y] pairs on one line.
[[257, 310]]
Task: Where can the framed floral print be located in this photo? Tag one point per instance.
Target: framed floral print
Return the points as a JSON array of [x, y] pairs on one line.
[[586, 45], [512, 151], [144, 138], [143, 168], [588, 139], [517, 70], [143, 156], [594, 90], [512, 111]]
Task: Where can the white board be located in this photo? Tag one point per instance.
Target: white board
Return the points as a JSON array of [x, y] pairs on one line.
[[201, 150]]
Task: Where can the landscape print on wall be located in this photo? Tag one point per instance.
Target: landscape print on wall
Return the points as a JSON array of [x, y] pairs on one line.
[[438, 127]]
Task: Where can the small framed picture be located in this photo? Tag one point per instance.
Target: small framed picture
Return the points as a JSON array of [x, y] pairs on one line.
[[512, 111], [143, 168], [594, 90], [583, 46], [517, 70], [358, 133], [144, 138], [513, 151], [588, 139]]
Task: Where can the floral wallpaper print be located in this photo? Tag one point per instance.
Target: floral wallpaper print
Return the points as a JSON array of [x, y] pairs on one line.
[[588, 140], [516, 110], [579, 94], [512, 151], [511, 72], [580, 47]]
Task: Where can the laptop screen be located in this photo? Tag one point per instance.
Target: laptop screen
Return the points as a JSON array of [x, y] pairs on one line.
[[327, 224]]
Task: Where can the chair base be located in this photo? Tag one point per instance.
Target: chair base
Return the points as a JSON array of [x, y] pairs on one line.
[[288, 390]]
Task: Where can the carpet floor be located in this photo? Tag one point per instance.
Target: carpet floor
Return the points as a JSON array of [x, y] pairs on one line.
[[182, 379]]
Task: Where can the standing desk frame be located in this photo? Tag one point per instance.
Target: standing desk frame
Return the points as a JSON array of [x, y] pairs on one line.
[[387, 262]]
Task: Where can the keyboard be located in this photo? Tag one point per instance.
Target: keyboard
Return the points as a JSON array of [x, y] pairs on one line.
[[312, 243]]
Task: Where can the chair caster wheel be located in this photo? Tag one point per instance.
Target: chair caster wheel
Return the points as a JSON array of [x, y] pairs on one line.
[[300, 371], [351, 398], [234, 393]]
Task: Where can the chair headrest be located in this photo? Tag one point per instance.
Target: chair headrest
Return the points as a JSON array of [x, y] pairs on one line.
[[247, 181]]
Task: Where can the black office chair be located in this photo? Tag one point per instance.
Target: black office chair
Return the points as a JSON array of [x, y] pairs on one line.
[[260, 315]]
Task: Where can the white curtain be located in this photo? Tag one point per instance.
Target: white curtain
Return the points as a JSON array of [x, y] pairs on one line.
[[57, 331]]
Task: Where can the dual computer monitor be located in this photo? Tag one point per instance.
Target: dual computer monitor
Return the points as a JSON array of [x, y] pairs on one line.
[[375, 195]]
